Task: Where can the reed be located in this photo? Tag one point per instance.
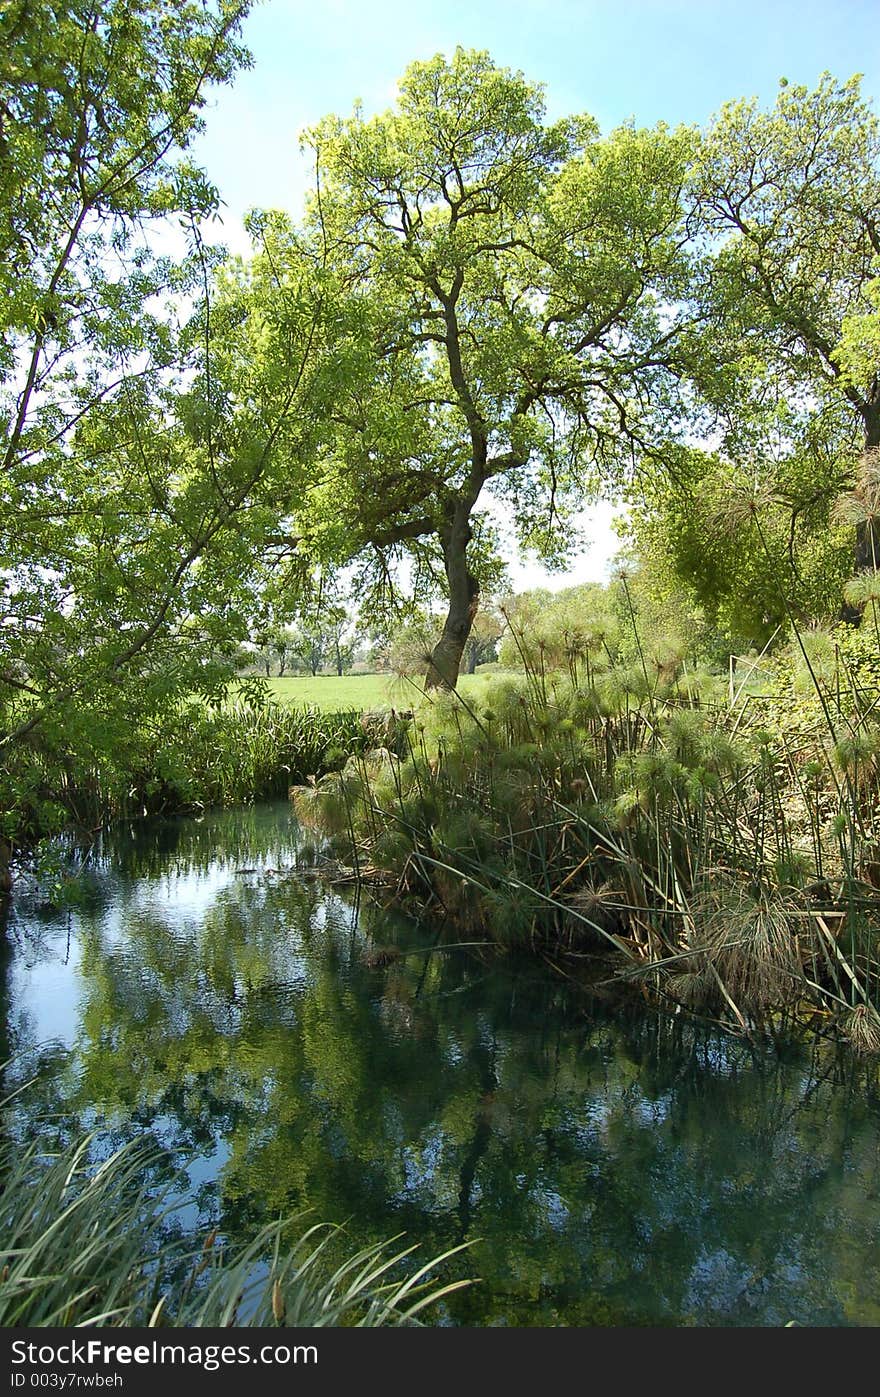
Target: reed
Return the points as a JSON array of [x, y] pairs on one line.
[[243, 754], [724, 855], [196, 757], [89, 1241]]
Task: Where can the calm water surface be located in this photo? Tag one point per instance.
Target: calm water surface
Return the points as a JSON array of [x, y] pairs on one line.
[[614, 1170]]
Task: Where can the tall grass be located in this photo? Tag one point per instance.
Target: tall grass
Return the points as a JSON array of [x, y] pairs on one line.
[[88, 1243], [629, 819], [246, 753], [195, 757]]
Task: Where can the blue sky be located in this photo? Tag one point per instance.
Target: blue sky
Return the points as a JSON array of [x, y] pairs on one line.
[[651, 60], [670, 60]]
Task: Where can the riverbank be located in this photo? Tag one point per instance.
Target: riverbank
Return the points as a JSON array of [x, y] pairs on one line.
[[194, 759], [728, 866]]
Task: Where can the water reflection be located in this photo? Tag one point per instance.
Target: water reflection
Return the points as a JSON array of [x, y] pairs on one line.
[[615, 1171]]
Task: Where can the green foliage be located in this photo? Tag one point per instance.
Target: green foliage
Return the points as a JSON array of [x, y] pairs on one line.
[[193, 756], [483, 268], [141, 442], [858, 352], [243, 754], [792, 193], [626, 818], [574, 630], [783, 358], [698, 549], [90, 1240]]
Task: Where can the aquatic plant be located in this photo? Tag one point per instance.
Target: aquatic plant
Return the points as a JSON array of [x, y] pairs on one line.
[[722, 854], [90, 1240], [196, 757]]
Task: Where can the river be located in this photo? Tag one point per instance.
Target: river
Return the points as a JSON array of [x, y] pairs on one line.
[[293, 1050]]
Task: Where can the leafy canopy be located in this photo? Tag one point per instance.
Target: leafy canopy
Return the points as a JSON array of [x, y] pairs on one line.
[[503, 294], [125, 491]]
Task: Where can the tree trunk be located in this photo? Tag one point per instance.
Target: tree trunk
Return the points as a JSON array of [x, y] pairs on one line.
[[867, 551], [5, 874], [871, 417], [866, 535], [865, 546], [464, 601]]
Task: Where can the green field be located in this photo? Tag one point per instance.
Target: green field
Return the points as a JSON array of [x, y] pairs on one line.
[[363, 691]]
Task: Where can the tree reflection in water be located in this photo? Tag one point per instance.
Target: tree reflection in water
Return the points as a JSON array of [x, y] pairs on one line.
[[615, 1170]]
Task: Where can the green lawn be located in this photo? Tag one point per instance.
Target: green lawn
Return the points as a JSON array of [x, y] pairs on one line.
[[355, 691], [328, 692]]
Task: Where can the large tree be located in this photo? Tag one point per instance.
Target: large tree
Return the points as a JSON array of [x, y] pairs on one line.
[[506, 313], [791, 199], [784, 348], [138, 428]]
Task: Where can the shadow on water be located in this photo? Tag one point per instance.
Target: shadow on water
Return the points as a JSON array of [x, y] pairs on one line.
[[298, 1052]]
